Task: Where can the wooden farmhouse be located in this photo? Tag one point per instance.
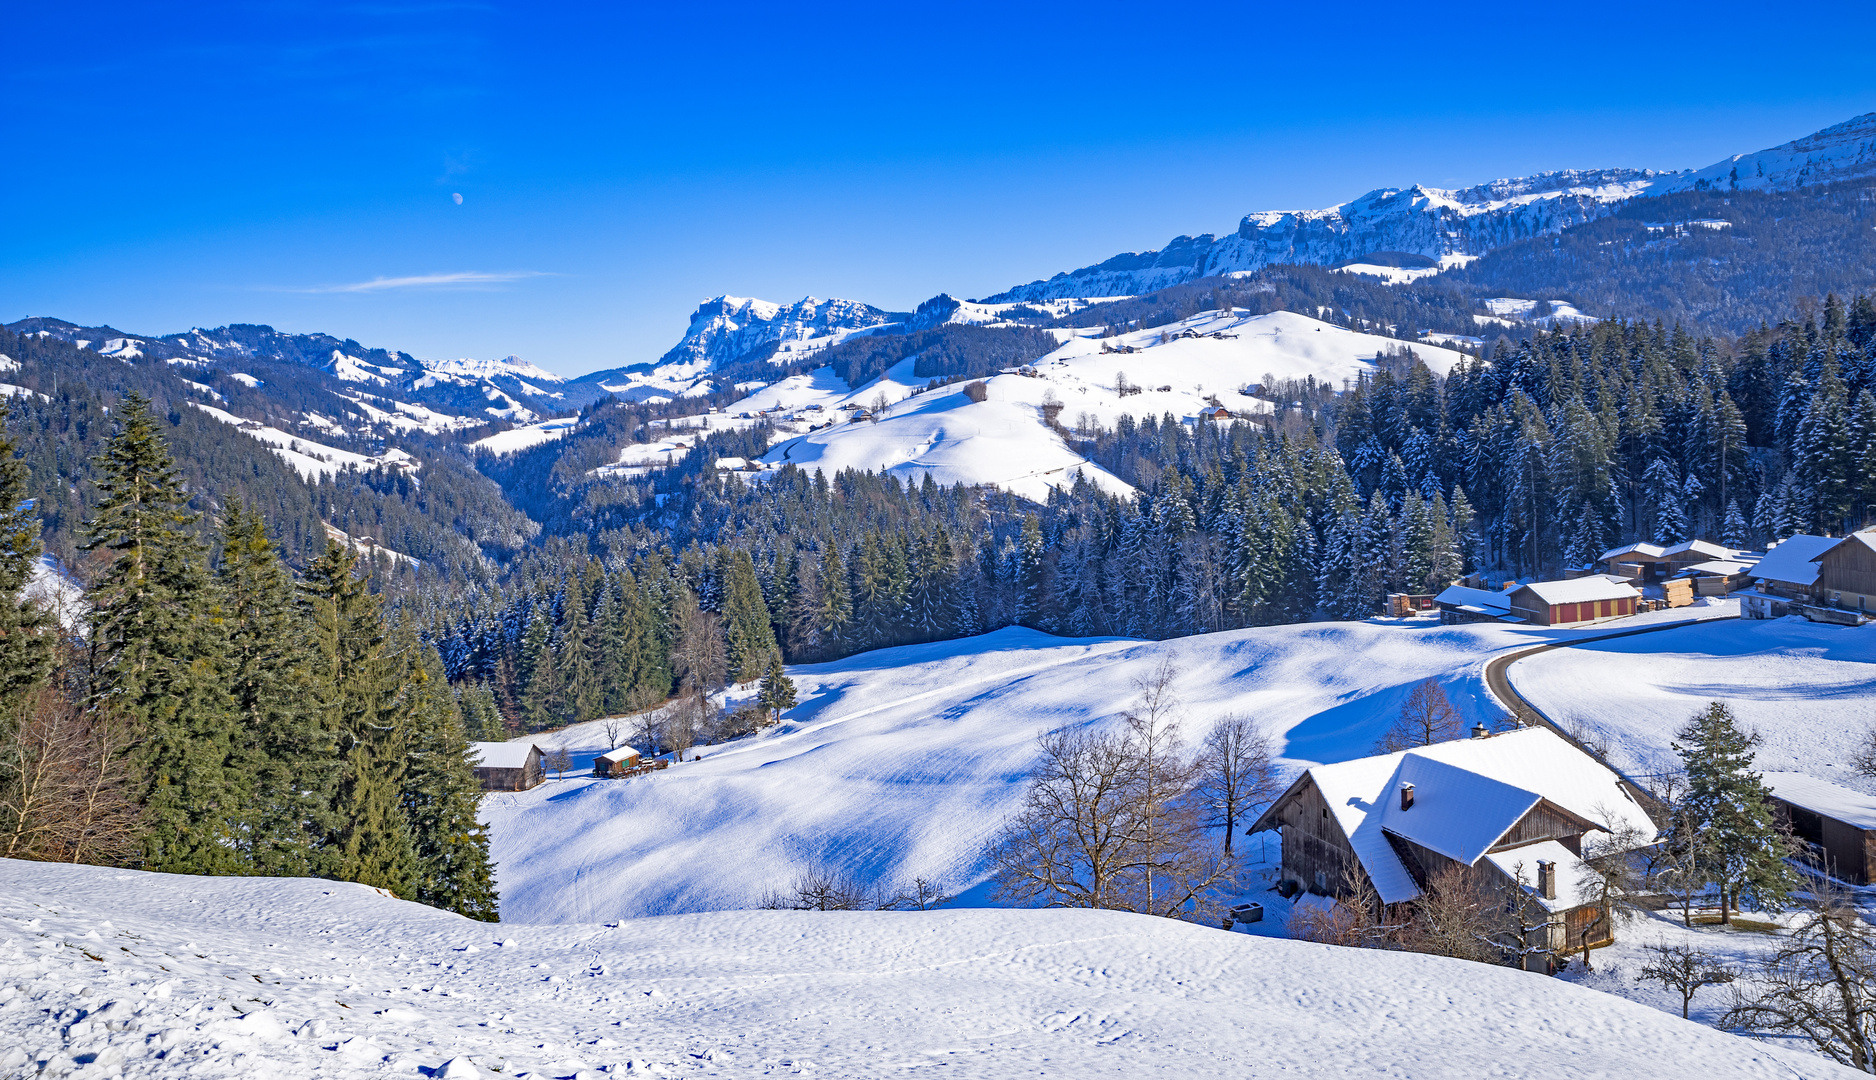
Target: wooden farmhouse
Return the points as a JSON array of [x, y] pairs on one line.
[[1833, 571], [1508, 808], [1641, 562], [507, 766], [617, 762], [1574, 602], [1837, 825], [1462, 604]]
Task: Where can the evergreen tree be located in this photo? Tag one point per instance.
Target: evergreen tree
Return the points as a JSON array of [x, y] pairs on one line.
[[746, 626], [450, 848], [286, 747], [159, 652], [26, 631], [1727, 811], [481, 721], [777, 691]]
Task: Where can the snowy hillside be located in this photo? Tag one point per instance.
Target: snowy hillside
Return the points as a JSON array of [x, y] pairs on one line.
[[150, 975], [899, 763], [1002, 440], [1839, 152], [1808, 689], [1436, 223]]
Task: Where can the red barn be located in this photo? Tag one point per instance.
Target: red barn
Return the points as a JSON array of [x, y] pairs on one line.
[[1571, 603]]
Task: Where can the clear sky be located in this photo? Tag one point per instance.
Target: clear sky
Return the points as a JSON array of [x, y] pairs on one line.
[[171, 165]]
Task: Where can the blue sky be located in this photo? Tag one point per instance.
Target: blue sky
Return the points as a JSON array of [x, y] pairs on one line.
[[294, 163]]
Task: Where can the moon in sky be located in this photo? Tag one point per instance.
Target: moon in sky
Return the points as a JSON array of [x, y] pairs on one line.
[[457, 196]]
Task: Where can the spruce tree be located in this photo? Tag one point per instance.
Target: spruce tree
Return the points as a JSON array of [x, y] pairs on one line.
[[289, 751], [26, 630], [450, 848], [1727, 811], [371, 839], [746, 624], [159, 653], [777, 691]]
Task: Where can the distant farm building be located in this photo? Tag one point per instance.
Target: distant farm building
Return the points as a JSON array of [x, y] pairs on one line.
[[1460, 604], [506, 766], [1642, 562], [617, 762], [1837, 825], [1573, 602], [1511, 808]]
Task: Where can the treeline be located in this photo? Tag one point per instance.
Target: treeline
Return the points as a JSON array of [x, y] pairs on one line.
[[219, 716]]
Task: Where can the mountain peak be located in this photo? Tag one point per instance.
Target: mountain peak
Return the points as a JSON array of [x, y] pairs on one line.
[[492, 369]]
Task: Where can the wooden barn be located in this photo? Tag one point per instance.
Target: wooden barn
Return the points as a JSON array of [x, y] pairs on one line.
[[1789, 569], [507, 766], [1573, 602], [1846, 573], [1462, 604], [1837, 825], [618, 762], [1508, 808]]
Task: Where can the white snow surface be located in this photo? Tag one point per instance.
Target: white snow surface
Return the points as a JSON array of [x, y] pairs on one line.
[[119, 973], [521, 438], [1808, 689], [1003, 440], [310, 459], [490, 369], [900, 763]]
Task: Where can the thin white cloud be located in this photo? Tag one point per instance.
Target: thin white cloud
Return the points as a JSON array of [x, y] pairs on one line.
[[461, 279]]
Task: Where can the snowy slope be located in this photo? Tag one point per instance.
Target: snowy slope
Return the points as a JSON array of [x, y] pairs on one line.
[[1003, 440], [310, 459], [527, 435], [1839, 152], [899, 763], [1808, 689], [510, 366], [150, 975]]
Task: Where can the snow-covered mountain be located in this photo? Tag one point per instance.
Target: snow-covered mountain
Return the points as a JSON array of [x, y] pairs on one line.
[[506, 367], [1443, 228], [1840, 152], [726, 330]]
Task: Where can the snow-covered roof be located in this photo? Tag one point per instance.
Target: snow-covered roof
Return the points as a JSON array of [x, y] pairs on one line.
[[1824, 797], [1485, 600], [1579, 590], [1699, 547], [500, 755], [623, 753], [1721, 567], [1652, 551], [1467, 793], [1573, 885], [1793, 561]]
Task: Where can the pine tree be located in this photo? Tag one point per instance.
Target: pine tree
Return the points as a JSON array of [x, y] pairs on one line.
[[287, 748], [834, 619], [745, 617], [1727, 811], [159, 652], [1028, 569], [481, 721], [26, 631], [450, 848], [777, 691], [371, 838]]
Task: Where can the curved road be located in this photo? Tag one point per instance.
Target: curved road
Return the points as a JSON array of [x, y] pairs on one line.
[[1498, 683]]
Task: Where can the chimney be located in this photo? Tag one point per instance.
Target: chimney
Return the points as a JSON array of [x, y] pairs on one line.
[[1546, 879], [1478, 730], [1406, 796]]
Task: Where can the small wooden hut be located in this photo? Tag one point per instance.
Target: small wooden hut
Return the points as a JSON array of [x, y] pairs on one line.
[[617, 763], [1574, 602], [507, 766]]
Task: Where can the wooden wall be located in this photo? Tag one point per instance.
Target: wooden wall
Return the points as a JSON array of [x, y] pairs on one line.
[[1848, 568], [1315, 852]]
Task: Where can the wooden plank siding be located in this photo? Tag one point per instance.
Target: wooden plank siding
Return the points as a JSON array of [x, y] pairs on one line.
[[1846, 576], [1546, 821], [1315, 853]]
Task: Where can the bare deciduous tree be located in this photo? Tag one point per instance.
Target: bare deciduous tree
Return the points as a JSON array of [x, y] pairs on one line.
[[1357, 919], [1613, 877], [1235, 774], [63, 792], [1455, 915], [1109, 820], [701, 661], [560, 761], [1685, 970], [615, 728], [1820, 985], [1426, 717]]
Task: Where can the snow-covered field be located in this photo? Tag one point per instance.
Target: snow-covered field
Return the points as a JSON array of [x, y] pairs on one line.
[[116, 973], [1808, 689], [900, 763], [1003, 441], [521, 438]]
